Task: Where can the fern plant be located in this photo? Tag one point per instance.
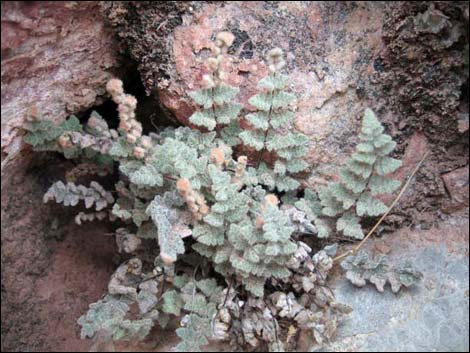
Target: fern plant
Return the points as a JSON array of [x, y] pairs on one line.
[[210, 238], [216, 98], [270, 132], [363, 177]]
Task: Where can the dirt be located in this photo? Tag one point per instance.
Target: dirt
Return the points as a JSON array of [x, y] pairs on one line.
[[51, 268]]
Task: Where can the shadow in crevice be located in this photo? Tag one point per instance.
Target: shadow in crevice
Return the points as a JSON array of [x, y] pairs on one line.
[[149, 111]]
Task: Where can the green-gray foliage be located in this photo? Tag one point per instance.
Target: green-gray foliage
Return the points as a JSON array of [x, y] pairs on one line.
[[362, 178], [271, 133], [70, 194], [361, 269], [108, 315], [44, 133], [216, 243], [217, 107]]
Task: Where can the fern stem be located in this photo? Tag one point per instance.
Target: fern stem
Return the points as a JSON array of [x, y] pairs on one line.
[[400, 194], [228, 291], [260, 156], [217, 128]]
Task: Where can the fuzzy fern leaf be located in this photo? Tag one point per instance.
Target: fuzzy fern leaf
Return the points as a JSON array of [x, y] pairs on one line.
[[70, 194], [386, 165], [42, 132], [287, 184], [255, 285], [146, 176], [282, 100], [146, 299], [368, 205], [297, 165], [330, 205], [289, 140], [192, 337], [312, 207], [344, 195], [203, 118], [280, 168], [121, 149], [361, 170], [208, 286], [230, 133], [108, 315], [172, 302], [362, 176], [133, 330], [217, 106], [224, 94], [282, 119], [361, 269], [381, 185], [259, 120], [127, 209], [292, 152], [228, 113], [252, 139], [349, 225], [103, 315], [202, 97], [261, 101], [273, 82], [170, 242], [276, 228], [208, 235]]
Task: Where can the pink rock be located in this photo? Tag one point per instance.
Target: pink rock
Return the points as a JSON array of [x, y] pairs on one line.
[[457, 184], [323, 73], [57, 57], [416, 149]]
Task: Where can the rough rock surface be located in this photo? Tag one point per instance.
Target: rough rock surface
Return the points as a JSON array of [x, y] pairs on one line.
[[457, 183], [405, 60], [423, 84], [57, 57], [324, 64], [429, 317]]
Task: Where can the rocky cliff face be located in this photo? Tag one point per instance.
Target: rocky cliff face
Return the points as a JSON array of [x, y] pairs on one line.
[[56, 57], [330, 48], [406, 60]]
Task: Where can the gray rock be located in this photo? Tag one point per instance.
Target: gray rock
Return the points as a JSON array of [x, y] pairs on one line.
[[432, 316]]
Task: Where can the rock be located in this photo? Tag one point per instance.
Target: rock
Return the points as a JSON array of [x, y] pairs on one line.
[[341, 57], [457, 184], [56, 57], [425, 94], [416, 149], [429, 316], [324, 65]]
